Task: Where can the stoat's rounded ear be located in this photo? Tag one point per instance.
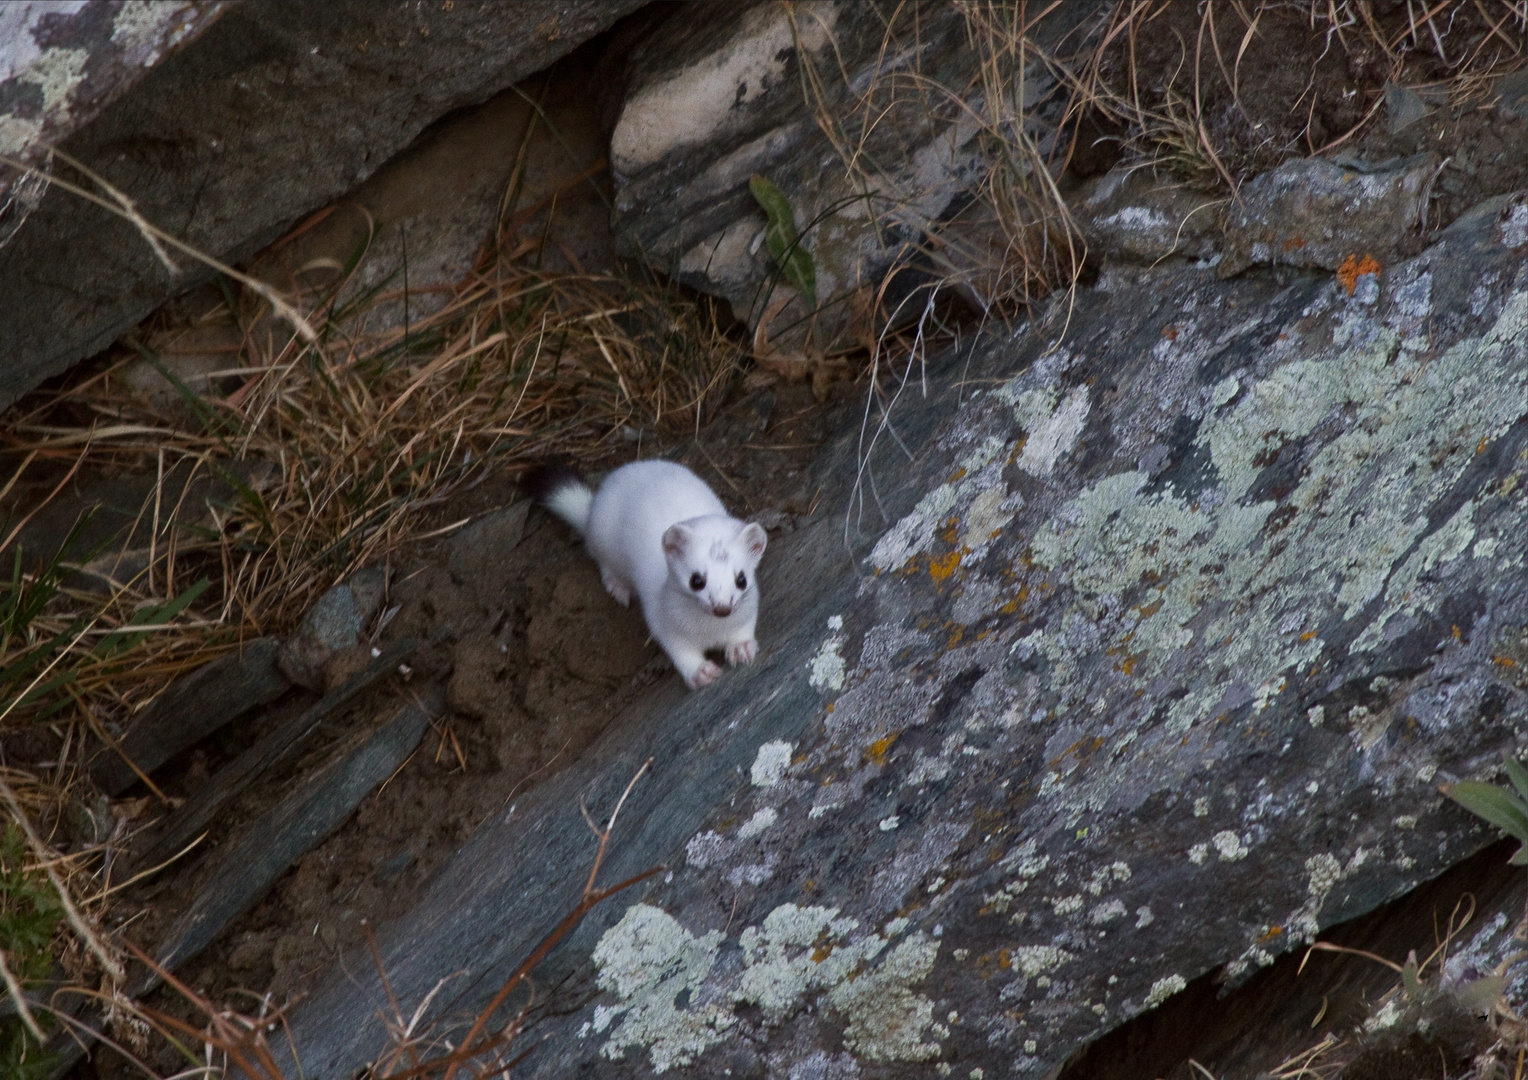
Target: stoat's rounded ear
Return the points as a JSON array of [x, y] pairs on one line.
[[753, 538], [677, 540]]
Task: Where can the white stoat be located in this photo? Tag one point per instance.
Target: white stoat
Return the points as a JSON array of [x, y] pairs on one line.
[[658, 531]]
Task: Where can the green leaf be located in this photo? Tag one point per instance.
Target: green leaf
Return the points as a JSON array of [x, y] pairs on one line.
[[785, 246], [1496, 805], [150, 616], [1517, 774], [1519, 857]]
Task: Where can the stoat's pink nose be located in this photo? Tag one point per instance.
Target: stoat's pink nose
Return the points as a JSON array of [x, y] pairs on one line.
[[721, 611]]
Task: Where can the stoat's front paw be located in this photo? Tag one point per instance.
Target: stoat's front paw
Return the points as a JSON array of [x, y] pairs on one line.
[[706, 674], [742, 652]]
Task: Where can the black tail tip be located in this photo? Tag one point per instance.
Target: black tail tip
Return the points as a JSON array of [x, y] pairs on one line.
[[541, 482]]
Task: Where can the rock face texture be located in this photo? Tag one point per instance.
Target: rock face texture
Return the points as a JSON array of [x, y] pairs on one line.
[[62, 63], [274, 112], [1152, 669], [711, 102]]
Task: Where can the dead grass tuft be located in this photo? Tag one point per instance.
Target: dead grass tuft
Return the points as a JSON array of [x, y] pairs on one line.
[[1197, 123]]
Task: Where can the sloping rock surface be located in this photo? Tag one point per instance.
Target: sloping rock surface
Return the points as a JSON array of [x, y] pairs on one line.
[[1171, 633], [272, 113]]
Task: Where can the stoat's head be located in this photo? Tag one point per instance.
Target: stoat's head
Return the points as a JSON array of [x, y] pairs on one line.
[[712, 559]]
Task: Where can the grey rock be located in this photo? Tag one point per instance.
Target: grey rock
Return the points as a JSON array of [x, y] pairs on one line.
[[200, 810], [335, 621], [290, 829], [1312, 212], [269, 844], [1194, 715], [60, 65], [1131, 214], [711, 101], [272, 113], [1512, 93], [193, 708]]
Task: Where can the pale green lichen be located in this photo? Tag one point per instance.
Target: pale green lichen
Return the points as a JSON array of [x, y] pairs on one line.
[[770, 763], [647, 960], [798, 950], [1033, 960], [886, 1019], [1359, 509], [1162, 989], [825, 671], [914, 533], [1053, 435]]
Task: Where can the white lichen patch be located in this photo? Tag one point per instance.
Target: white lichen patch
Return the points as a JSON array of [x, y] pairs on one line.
[[825, 671], [1229, 845], [770, 763], [761, 820], [1162, 989], [1034, 960], [1053, 435], [647, 960]]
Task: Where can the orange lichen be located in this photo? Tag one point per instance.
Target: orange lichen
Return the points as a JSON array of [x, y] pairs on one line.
[[1503, 661], [942, 566], [1271, 933], [876, 751], [1353, 268], [821, 953], [1307, 635], [1170, 332]]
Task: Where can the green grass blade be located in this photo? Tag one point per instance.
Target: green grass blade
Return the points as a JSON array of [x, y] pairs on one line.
[[790, 255]]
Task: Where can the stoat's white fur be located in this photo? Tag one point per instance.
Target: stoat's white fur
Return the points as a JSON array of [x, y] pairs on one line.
[[657, 530]]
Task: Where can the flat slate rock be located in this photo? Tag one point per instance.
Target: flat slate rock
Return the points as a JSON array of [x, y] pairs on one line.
[[290, 829], [1152, 671], [199, 811], [193, 708]]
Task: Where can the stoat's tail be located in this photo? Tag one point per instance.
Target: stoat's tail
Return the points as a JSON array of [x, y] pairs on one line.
[[563, 492]]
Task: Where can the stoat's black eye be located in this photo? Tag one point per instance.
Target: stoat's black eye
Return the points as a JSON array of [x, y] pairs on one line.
[[742, 580], [697, 581]]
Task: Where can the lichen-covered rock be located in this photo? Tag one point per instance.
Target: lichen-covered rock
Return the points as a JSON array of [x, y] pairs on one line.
[[1130, 213], [268, 115], [1153, 670], [61, 64], [1311, 212]]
